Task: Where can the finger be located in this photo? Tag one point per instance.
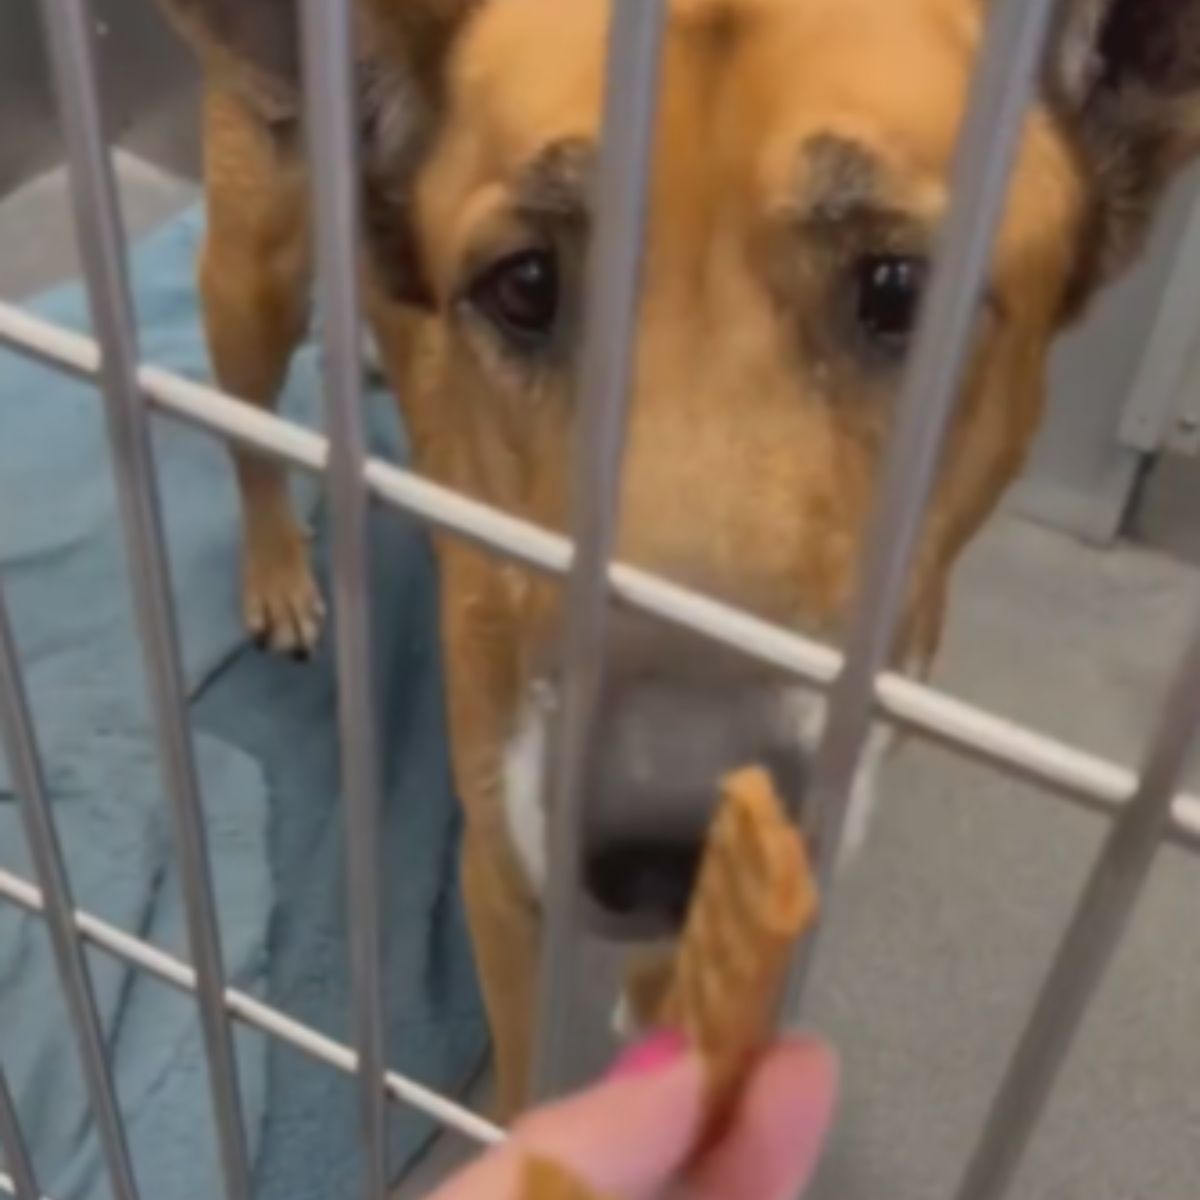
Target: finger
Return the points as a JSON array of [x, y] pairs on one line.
[[624, 1138], [774, 1142]]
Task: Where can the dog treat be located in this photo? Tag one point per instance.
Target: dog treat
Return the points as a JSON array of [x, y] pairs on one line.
[[755, 896], [546, 1180]]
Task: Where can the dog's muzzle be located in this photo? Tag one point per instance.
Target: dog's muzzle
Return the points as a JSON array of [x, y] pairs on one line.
[[676, 717]]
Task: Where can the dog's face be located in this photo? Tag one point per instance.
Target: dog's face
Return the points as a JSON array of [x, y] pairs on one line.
[[801, 170], [802, 164]]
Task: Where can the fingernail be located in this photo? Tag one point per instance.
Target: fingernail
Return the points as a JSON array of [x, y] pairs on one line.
[[651, 1054]]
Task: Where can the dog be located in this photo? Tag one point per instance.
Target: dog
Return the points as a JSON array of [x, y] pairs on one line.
[[802, 163]]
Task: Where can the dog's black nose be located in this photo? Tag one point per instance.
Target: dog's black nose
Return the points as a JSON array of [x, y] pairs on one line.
[[675, 719], [646, 882]]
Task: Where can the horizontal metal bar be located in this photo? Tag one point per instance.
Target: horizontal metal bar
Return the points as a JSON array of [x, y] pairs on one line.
[[329, 89], [102, 248], [1083, 779], [603, 384], [14, 1147], [251, 1012], [1100, 920], [18, 739]]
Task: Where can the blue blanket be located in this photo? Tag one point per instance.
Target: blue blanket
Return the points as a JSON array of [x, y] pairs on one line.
[[268, 756]]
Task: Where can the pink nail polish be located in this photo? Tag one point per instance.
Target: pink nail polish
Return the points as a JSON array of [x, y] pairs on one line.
[[652, 1053]]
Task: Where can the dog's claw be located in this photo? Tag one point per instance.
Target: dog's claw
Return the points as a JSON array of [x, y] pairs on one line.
[[283, 606]]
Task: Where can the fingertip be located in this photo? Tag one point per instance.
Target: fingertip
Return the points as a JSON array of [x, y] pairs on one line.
[[803, 1065], [773, 1144], [652, 1053], [628, 1135]]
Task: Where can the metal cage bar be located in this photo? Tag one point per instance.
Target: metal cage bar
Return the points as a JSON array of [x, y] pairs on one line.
[[332, 130], [19, 740], [102, 249], [1114, 887], [252, 1013], [1081, 778], [605, 377], [12, 1143], [1001, 90]]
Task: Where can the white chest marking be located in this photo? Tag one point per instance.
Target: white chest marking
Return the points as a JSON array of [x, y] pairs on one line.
[[524, 764]]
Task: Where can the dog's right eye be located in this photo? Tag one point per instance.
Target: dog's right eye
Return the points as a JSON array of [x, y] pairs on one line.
[[890, 288], [520, 297]]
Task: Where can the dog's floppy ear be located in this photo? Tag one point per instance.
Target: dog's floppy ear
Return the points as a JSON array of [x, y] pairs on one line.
[[1125, 79], [254, 44], [405, 46], [402, 48]]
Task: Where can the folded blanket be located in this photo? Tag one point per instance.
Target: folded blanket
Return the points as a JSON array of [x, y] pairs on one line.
[[268, 757]]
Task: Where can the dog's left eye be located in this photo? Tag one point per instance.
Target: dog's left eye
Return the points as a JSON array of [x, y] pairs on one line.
[[889, 289], [520, 296]]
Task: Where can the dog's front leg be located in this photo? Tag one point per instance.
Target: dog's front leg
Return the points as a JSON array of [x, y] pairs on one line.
[[254, 284], [504, 929]]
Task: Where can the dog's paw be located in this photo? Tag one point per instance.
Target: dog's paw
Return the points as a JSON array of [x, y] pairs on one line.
[[283, 608]]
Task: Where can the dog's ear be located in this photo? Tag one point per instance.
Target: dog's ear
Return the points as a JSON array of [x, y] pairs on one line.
[[402, 48], [405, 45], [254, 44], [257, 42], [1125, 80]]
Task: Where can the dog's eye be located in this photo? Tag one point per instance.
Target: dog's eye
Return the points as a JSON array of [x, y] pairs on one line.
[[889, 298], [520, 296]]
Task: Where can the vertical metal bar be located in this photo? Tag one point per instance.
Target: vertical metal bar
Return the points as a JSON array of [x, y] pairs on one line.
[[102, 248], [331, 112], [25, 766], [605, 374], [996, 110], [12, 1143], [1093, 935]]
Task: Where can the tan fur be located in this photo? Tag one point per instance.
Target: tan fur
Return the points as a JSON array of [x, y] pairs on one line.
[[756, 433], [254, 287]]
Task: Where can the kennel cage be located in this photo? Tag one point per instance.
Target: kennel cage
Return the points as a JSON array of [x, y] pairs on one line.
[[1144, 809]]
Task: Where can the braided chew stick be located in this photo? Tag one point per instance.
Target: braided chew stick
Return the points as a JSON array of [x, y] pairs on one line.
[[755, 896], [546, 1180]]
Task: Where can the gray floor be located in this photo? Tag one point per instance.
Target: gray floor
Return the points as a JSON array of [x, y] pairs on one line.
[[1169, 515], [940, 933]]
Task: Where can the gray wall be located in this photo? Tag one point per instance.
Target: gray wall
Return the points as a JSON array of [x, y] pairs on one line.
[[1081, 477], [28, 137], [149, 89]]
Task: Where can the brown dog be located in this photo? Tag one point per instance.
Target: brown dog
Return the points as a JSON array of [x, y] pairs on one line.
[[802, 159]]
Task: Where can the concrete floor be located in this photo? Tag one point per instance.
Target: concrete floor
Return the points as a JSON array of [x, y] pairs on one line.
[[1169, 514], [939, 935]]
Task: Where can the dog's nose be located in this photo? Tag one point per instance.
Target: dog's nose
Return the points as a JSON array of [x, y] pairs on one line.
[[676, 718], [649, 882]]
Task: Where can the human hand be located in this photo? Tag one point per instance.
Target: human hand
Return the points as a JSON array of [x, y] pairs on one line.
[[633, 1136]]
